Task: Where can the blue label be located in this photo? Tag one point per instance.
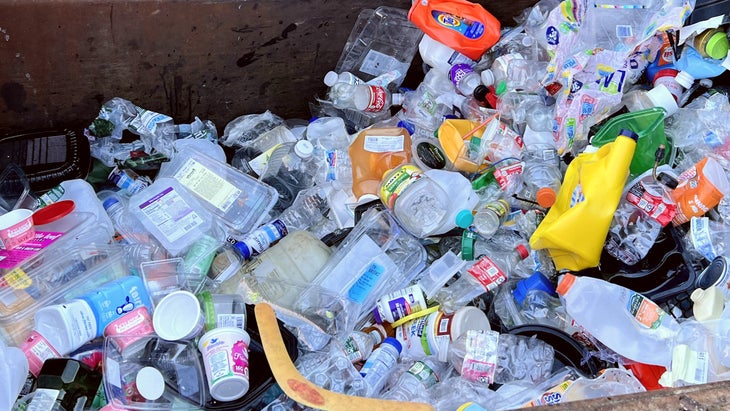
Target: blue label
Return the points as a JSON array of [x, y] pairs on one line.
[[552, 35], [365, 284], [115, 299], [469, 29]]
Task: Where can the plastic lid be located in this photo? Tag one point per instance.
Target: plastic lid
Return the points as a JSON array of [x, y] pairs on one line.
[[537, 281], [464, 219], [394, 342], [397, 99], [660, 96], [487, 77], [303, 149], [524, 252], [685, 79], [717, 46], [467, 246], [480, 92], [53, 212], [501, 88], [109, 202], [628, 133], [150, 383], [331, 78], [565, 283], [546, 197], [468, 318], [376, 314]]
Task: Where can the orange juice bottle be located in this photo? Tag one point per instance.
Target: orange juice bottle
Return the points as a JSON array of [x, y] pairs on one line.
[[374, 152]]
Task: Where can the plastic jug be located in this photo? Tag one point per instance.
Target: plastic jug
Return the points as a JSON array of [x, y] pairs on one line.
[[373, 153], [589, 197]]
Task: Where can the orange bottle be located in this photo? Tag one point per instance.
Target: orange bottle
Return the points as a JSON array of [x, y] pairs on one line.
[[373, 153]]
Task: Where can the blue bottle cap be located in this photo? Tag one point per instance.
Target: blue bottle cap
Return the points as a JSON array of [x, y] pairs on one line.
[[537, 281], [109, 202], [464, 219], [394, 342], [628, 133]]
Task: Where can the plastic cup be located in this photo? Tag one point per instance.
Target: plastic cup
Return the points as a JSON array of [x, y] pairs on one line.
[[16, 227], [225, 357], [178, 316]]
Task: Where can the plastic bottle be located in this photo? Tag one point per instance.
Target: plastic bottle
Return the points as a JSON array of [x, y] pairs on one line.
[[488, 357], [490, 217], [712, 43], [380, 365], [692, 66], [464, 78], [623, 320], [398, 304], [363, 97], [428, 203], [710, 238], [701, 187], [125, 225], [306, 210], [291, 168], [413, 385], [63, 327], [486, 274], [375, 151], [360, 344], [660, 96], [328, 133], [331, 78], [543, 180], [496, 74], [440, 56]]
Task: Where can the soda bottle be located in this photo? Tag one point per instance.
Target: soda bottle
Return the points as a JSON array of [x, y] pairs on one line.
[[363, 97]]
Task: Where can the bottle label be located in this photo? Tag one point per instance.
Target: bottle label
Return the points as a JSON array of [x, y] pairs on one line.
[[231, 320], [44, 399], [207, 185], [480, 359], [458, 72], [37, 350], [378, 95], [701, 237], [366, 282], [467, 28], [412, 335], [383, 144], [403, 302], [424, 374], [505, 175], [51, 196], [352, 350], [331, 162], [698, 369], [169, 212], [261, 238], [260, 162], [645, 311], [397, 182], [442, 334], [552, 396], [695, 195], [651, 203], [487, 273]]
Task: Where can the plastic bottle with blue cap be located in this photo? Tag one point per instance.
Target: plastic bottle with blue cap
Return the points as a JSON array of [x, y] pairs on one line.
[[380, 365]]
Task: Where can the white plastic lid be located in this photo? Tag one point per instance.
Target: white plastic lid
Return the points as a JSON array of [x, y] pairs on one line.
[[660, 96], [150, 383], [487, 77], [303, 149], [468, 318], [685, 79], [331, 78]]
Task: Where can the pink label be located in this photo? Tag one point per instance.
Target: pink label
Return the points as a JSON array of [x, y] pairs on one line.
[[17, 233], [37, 350], [239, 354], [505, 175], [130, 327], [487, 273], [377, 99], [12, 258]]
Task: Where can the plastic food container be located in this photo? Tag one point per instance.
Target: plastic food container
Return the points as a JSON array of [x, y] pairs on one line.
[[241, 201]]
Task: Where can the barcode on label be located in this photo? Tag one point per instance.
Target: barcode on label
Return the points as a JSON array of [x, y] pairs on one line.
[[623, 31], [700, 376]]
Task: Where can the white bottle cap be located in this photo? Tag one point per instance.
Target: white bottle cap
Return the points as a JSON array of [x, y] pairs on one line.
[[331, 78], [660, 96], [487, 77], [685, 79], [150, 383], [708, 304], [303, 149], [398, 99]]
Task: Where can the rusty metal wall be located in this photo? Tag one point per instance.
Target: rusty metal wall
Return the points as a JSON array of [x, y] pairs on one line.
[[60, 60]]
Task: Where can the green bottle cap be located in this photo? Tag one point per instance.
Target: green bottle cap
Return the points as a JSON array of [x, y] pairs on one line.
[[467, 245], [717, 46]]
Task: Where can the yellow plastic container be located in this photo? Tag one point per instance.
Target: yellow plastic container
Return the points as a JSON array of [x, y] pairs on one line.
[[576, 226]]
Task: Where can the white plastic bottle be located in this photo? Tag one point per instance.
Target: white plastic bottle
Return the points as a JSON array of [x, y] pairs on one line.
[[380, 365], [413, 384], [625, 321], [66, 326]]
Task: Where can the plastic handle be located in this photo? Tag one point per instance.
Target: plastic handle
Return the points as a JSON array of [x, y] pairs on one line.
[[302, 390]]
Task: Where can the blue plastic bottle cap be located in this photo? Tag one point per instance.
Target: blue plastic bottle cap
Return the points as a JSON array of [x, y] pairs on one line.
[[628, 133], [394, 342], [464, 219], [537, 281], [109, 202]]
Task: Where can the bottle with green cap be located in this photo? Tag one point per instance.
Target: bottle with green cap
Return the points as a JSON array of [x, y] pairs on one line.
[[712, 43]]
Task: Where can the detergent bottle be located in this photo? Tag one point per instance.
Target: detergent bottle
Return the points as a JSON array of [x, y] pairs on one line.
[[588, 197]]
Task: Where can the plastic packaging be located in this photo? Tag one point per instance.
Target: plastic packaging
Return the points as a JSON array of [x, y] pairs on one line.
[[590, 192], [13, 371], [380, 364], [225, 356], [628, 323], [178, 316], [542, 179], [440, 56], [692, 66], [363, 97], [223, 310], [291, 168], [700, 188], [414, 384], [375, 151]]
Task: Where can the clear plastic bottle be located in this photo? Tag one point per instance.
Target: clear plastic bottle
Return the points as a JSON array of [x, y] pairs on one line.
[[332, 77], [363, 97], [490, 217], [487, 356], [413, 385], [380, 365], [623, 320], [542, 179], [486, 274], [125, 225], [291, 168], [306, 210], [360, 344], [497, 73], [464, 78]]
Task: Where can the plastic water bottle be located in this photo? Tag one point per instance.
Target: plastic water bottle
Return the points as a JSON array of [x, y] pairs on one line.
[[332, 77], [398, 304], [306, 210], [485, 275], [490, 217], [413, 384], [363, 97], [625, 321], [360, 344], [542, 179], [464, 78], [380, 365], [291, 168]]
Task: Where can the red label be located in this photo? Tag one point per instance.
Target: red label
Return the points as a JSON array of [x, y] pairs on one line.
[[652, 204], [505, 175], [377, 99], [37, 350], [487, 273]]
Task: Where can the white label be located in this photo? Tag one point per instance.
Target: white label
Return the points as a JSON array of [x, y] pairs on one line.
[[207, 185], [623, 31], [701, 238], [480, 359], [149, 120], [259, 164], [171, 214], [383, 144], [43, 400], [698, 370], [113, 373], [231, 320], [376, 63]]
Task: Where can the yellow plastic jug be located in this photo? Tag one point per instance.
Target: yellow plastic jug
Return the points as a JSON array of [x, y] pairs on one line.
[[576, 226]]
